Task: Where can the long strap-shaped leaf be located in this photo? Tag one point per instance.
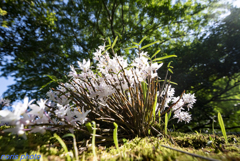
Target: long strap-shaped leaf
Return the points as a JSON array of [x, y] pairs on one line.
[[221, 123]]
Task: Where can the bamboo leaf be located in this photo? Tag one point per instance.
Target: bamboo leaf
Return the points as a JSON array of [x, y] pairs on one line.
[[114, 41], [165, 57], [149, 45], [131, 47], [142, 40], [135, 43], [159, 62], [155, 53]]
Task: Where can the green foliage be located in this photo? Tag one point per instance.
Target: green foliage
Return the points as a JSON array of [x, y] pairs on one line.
[[166, 123], [63, 146], [221, 123], [74, 144], [54, 35], [89, 127], [209, 67], [115, 137]]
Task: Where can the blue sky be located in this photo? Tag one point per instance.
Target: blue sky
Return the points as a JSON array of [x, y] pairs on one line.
[[4, 83]]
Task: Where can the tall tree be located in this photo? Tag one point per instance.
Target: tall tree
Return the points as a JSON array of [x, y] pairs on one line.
[[210, 68], [44, 37]]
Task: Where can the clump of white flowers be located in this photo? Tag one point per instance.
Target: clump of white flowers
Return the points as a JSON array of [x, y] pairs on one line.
[[112, 92]]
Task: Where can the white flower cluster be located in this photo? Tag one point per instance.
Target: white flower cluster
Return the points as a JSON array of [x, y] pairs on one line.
[[21, 117], [187, 99], [99, 89]]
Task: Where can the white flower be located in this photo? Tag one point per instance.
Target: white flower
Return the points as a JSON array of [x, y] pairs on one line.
[[183, 116], [73, 72], [81, 116], [62, 110], [39, 129], [18, 129], [20, 108], [8, 117], [38, 110], [189, 98], [85, 66], [102, 47]]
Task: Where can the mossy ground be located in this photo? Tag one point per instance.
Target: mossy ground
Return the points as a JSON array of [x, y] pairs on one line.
[[148, 148]]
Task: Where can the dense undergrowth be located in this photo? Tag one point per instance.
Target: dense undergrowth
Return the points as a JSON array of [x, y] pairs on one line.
[[147, 148]]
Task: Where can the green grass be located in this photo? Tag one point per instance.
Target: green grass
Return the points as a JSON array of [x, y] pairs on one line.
[[148, 148]]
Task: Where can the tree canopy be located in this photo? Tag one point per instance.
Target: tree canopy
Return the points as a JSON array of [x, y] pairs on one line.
[[210, 68], [45, 37]]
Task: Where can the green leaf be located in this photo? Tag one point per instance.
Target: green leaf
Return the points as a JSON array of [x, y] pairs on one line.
[[155, 53], [115, 138], [169, 115], [46, 85], [131, 47], [149, 45], [135, 43], [147, 57], [169, 64], [93, 139], [63, 145], [106, 50], [168, 80], [74, 144], [109, 41], [166, 123], [144, 88], [52, 77], [114, 41], [154, 107], [165, 57], [142, 40], [89, 127], [221, 123], [170, 70]]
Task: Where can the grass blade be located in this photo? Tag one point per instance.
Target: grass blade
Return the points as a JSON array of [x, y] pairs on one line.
[[166, 123], [221, 123], [63, 145], [93, 140], [74, 144], [115, 138]]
